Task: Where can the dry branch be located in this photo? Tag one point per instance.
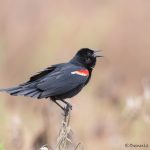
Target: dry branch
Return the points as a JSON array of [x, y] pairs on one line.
[[63, 140]]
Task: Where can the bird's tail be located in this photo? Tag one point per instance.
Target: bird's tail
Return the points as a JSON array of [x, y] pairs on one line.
[[23, 91]]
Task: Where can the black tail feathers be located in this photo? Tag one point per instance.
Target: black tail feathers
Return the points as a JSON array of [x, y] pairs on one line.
[[23, 91]]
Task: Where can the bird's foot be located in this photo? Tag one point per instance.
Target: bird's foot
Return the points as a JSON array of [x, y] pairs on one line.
[[69, 106], [67, 109]]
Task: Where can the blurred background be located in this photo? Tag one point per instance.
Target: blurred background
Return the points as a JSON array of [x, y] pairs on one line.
[[113, 110]]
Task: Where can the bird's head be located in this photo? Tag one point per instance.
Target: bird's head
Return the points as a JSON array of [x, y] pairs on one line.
[[86, 57]]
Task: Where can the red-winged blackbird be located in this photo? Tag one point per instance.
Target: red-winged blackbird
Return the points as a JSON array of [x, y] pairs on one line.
[[60, 81]]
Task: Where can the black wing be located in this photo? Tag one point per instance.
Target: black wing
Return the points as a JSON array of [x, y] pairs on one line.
[[61, 81], [40, 75], [52, 81], [28, 88]]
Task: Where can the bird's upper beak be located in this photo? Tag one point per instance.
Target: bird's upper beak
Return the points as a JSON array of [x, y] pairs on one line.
[[96, 53]]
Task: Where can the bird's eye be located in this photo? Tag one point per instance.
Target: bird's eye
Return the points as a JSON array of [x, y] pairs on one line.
[[88, 60], [89, 54]]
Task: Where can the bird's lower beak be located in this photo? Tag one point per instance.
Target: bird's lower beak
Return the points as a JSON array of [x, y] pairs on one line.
[[96, 54]]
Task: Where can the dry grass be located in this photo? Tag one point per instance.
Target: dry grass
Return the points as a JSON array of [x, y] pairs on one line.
[[110, 111], [64, 141]]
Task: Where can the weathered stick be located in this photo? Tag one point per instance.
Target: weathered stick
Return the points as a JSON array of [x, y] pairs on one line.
[[63, 138]]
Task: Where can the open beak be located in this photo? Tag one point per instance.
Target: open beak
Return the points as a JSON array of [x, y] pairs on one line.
[[96, 53]]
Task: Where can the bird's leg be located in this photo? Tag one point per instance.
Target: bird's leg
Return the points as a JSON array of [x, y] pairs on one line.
[[65, 109], [58, 105], [68, 104]]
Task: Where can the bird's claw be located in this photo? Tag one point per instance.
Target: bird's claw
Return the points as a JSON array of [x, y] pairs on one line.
[[70, 106], [67, 108]]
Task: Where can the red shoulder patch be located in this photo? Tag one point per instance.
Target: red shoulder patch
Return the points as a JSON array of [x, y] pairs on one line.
[[83, 72]]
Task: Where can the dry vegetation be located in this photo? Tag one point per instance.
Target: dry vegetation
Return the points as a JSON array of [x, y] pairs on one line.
[[114, 108]]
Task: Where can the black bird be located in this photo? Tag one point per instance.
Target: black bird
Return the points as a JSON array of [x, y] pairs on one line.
[[60, 81]]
